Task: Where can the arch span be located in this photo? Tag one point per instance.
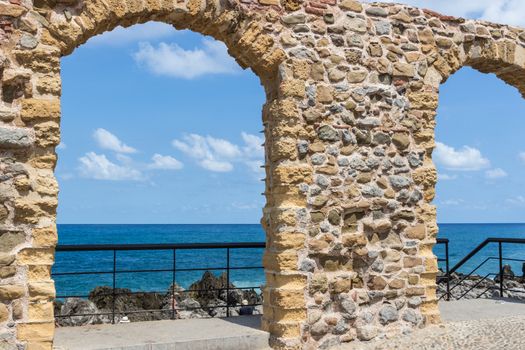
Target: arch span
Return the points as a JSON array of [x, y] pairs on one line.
[[352, 91]]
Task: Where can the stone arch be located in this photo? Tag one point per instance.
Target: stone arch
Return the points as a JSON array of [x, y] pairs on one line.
[[33, 69], [352, 91], [486, 47], [72, 24]]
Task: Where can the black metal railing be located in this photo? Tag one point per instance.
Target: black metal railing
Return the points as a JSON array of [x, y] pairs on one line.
[[499, 277], [446, 276], [113, 272]]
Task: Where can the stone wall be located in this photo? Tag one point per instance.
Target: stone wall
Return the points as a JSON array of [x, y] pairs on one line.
[[349, 120]]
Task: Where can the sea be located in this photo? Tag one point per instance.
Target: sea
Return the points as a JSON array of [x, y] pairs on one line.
[[463, 238]]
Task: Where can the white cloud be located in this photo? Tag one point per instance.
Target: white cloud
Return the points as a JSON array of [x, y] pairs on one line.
[[223, 148], [172, 60], [139, 32], [99, 167], [107, 140], [517, 200], [502, 11], [193, 145], [256, 166], [496, 173], [505, 11], [124, 159], [522, 156], [216, 165], [246, 206], [254, 152], [211, 153], [219, 155], [253, 145], [452, 202], [466, 159], [61, 146], [161, 162], [447, 177]]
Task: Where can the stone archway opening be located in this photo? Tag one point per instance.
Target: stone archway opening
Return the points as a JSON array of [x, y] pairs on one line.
[[246, 42], [478, 162], [105, 165], [505, 59]]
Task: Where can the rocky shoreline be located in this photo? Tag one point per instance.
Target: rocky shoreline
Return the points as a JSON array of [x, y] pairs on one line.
[[200, 300], [208, 297], [476, 286]]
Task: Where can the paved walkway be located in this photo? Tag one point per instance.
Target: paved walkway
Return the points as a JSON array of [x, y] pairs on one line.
[[503, 334], [478, 309], [469, 325], [236, 333]]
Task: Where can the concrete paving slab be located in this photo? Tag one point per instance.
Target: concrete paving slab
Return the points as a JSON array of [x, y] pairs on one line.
[[243, 333], [236, 333], [480, 309]]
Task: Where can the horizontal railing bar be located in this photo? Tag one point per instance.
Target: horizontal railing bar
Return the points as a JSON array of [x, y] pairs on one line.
[[158, 292], [513, 259], [158, 270], [159, 246], [482, 245]]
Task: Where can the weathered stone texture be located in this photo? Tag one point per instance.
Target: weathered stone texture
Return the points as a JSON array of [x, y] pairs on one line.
[[352, 92]]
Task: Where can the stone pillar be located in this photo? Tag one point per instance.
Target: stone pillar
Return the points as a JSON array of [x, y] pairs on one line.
[[285, 215], [352, 92], [28, 197]]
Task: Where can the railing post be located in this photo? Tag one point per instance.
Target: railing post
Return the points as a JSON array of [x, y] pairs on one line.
[[448, 271], [173, 284], [114, 285], [227, 282], [500, 249]]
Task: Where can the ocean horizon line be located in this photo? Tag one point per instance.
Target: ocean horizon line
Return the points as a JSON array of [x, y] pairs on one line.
[[145, 224], [216, 224]]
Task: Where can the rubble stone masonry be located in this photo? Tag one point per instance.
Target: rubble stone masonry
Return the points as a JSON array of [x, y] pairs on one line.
[[352, 92]]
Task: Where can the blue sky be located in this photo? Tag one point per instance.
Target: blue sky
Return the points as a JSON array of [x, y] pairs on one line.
[[159, 126], [480, 151], [162, 126]]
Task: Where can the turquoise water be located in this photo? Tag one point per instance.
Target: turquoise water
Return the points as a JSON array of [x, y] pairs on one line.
[[463, 238], [147, 260]]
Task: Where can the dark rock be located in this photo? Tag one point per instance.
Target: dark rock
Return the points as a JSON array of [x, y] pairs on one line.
[[328, 133], [475, 286], [388, 314], [86, 310], [126, 302], [507, 273], [200, 301], [412, 316], [376, 11]]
